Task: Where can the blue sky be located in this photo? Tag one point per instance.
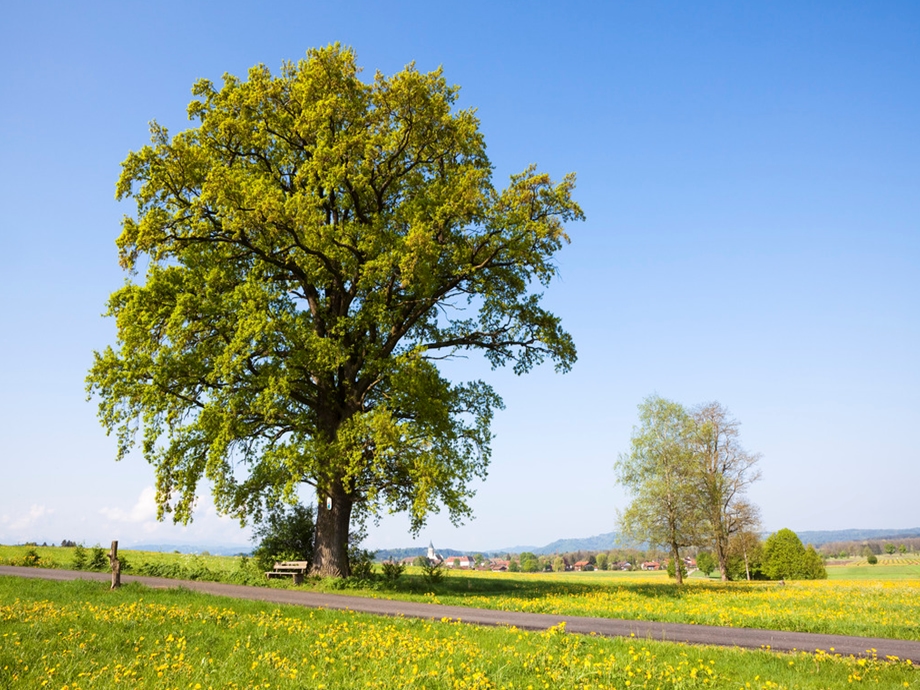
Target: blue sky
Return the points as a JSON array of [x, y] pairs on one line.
[[751, 178]]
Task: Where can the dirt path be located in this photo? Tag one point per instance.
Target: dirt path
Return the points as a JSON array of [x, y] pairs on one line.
[[749, 638]]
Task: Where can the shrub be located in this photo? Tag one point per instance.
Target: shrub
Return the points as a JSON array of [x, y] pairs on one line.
[[872, 559], [30, 559], [433, 572], [362, 564], [392, 571], [79, 557], [285, 534], [193, 569], [784, 557], [98, 560]]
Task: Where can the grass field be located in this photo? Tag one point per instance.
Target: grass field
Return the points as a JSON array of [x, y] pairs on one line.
[[79, 635], [894, 567], [878, 601]]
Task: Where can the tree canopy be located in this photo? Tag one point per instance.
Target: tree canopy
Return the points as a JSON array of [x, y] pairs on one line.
[[661, 475], [307, 252], [726, 470]]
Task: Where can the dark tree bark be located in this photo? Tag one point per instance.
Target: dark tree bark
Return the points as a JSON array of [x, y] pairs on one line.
[[333, 519]]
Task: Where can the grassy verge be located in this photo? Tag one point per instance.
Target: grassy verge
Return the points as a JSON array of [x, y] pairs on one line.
[[79, 635]]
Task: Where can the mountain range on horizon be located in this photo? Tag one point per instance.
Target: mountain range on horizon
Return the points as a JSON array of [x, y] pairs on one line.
[[598, 542], [609, 541]]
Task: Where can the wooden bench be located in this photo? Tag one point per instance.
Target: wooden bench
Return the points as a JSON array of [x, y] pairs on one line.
[[293, 569]]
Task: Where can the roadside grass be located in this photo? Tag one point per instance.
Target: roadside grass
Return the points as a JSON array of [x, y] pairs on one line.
[[886, 605], [79, 635]]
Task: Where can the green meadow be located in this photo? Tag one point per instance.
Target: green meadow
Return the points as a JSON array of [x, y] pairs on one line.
[[80, 635], [874, 601]]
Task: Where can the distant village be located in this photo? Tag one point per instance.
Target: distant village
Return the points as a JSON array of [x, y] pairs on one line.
[[528, 562]]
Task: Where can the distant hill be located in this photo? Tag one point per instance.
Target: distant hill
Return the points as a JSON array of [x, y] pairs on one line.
[[599, 542], [827, 536], [608, 541], [414, 551], [214, 550]]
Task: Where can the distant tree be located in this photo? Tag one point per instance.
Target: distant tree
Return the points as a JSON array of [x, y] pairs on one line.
[[745, 557], [663, 479], [529, 563], [872, 559], [601, 561], [727, 470], [873, 547], [420, 561], [785, 557], [559, 564], [673, 572], [514, 566], [890, 548], [705, 562], [455, 562], [284, 534], [902, 549]]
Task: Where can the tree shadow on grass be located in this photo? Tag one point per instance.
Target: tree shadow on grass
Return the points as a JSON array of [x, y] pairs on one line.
[[525, 588]]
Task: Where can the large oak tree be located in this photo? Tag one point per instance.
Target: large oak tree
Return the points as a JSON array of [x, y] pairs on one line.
[[297, 263]]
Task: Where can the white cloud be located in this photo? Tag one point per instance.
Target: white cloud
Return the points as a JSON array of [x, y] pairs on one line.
[[36, 513], [144, 510], [140, 521]]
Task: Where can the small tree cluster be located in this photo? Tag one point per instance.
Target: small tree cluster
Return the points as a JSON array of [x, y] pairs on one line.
[[786, 558], [687, 474]]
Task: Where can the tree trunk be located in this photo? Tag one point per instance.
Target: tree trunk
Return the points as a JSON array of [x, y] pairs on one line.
[[330, 546], [675, 556], [721, 554]]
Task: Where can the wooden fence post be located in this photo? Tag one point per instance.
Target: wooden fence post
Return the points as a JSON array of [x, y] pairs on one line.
[[116, 565]]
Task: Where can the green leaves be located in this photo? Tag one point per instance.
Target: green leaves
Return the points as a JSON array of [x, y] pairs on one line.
[[309, 250]]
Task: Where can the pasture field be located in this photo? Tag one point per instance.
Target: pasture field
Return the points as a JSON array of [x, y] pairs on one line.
[[79, 635], [863, 606], [62, 557], [889, 567]]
